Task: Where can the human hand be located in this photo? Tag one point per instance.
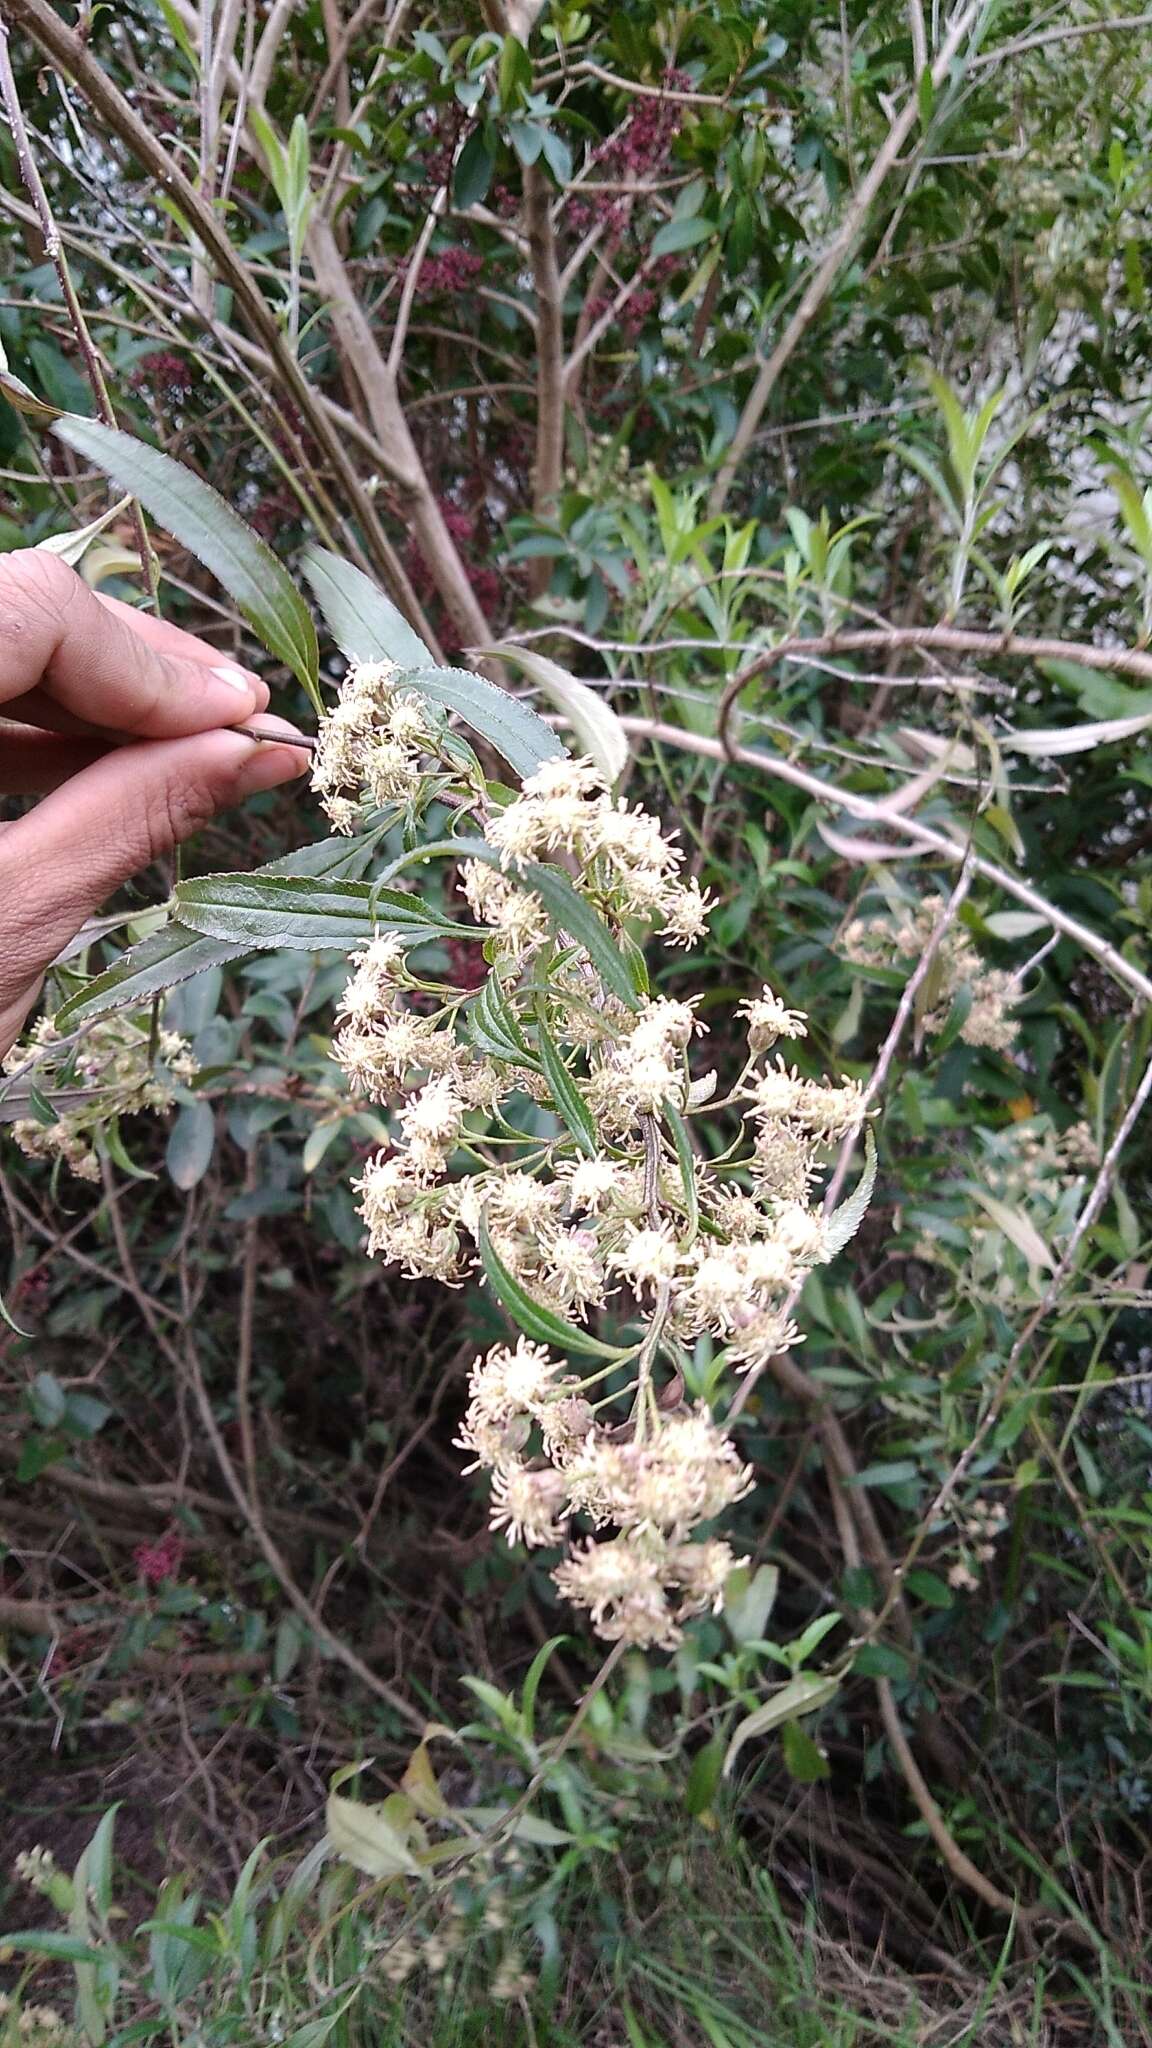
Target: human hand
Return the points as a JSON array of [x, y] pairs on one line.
[[120, 723]]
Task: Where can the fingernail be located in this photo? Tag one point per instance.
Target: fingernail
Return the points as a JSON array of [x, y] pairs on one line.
[[234, 677]]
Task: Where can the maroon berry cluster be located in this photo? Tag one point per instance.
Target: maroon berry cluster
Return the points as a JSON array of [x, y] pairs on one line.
[[449, 272], [166, 373]]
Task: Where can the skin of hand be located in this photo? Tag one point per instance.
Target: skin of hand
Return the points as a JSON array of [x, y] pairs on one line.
[[119, 722]]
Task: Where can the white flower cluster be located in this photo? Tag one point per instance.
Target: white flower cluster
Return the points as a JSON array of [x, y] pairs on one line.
[[879, 941], [582, 1190], [372, 745], [114, 1071], [627, 865], [34, 2026]]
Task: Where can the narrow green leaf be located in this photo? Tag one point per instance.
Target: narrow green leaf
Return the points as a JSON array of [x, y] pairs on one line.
[[570, 1104], [801, 1695], [365, 624], [567, 910], [542, 1324], [896, 1472], [63, 1948], [197, 516], [304, 914], [507, 723], [174, 953], [595, 726], [684, 1154]]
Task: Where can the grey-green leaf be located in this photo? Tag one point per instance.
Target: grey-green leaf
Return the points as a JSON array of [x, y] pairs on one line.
[[595, 726], [845, 1221], [198, 517], [506, 722], [191, 1142], [365, 624]]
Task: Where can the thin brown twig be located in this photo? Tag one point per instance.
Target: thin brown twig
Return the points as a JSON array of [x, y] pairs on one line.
[[947, 639], [54, 249], [852, 226], [920, 838]]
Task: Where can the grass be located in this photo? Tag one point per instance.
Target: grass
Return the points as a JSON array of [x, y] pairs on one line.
[[678, 1938]]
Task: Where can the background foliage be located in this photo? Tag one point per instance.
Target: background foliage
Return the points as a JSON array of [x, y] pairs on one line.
[[780, 372]]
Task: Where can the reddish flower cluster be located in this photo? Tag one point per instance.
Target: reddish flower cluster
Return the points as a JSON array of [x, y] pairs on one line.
[[640, 147], [636, 310], [156, 1562], [462, 528], [273, 513], [637, 151], [165, 372], [466, 963], [450, 271]]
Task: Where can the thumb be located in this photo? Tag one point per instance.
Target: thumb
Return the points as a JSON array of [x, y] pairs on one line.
[[59, 862]]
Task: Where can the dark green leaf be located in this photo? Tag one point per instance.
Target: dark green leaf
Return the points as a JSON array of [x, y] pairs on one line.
[[928, 1587], [570, 1104], [493, 1027], [542, 1324], [567, 910], [300, 912], [189, 509], [174, 953], [474, 168], [877, 1660]]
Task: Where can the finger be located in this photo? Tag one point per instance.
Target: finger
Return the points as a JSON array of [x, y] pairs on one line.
[[59, 862], [33, 762], [58, 640], [167, 638]]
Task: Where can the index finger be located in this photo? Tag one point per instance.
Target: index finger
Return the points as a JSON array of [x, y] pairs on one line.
[[59, 643]]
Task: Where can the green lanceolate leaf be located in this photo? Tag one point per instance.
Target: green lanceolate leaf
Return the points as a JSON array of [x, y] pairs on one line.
[[595, 726], [680, 1139], [570, 1104], [802, 1695], [567, 910], [174, 953], [189, 509], [304, 914], [542, 1324], [845, 1221], [365, 624], [494, 1028], [507, 723]]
